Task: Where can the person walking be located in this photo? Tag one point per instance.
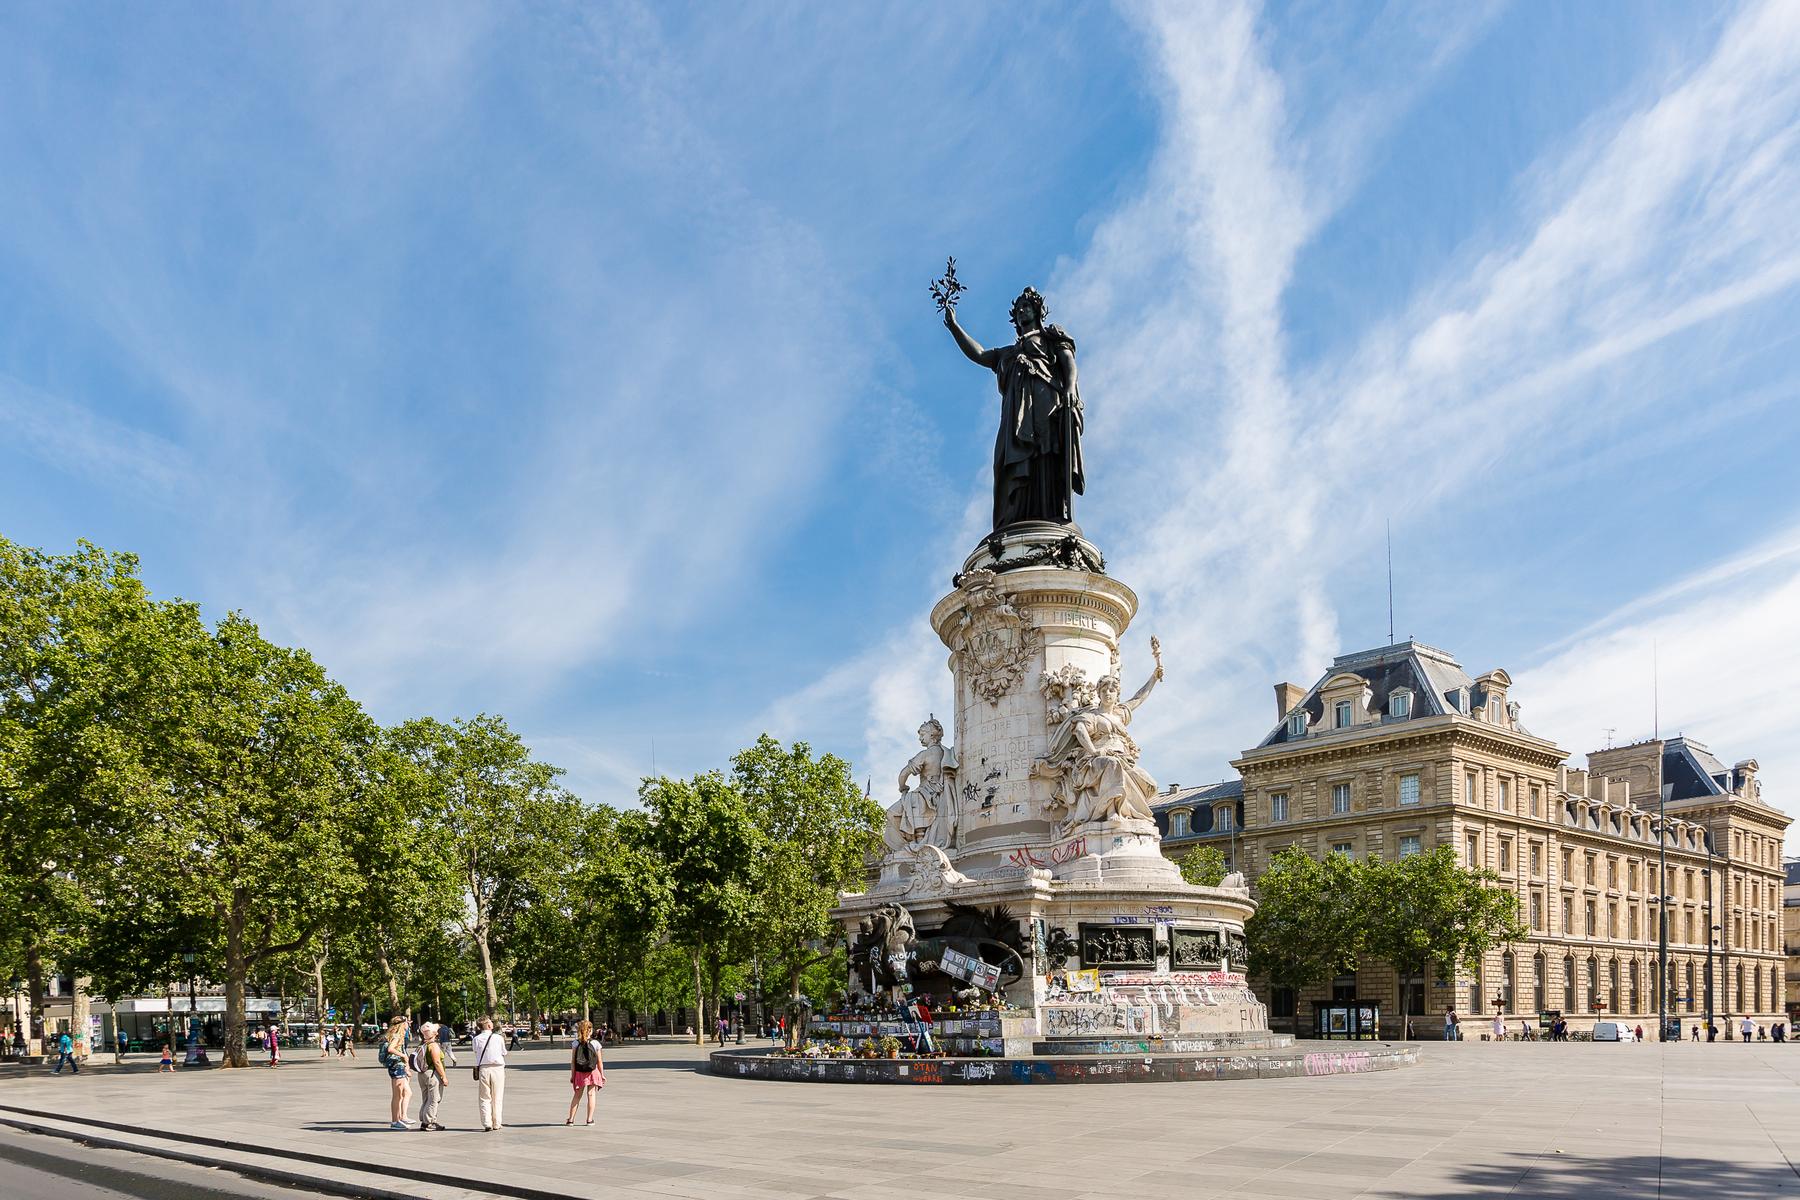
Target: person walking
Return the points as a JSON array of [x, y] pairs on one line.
[[272, 1043], [324, 1042], [167, 1061], [428, 1065], [65, 1054], [587, 1070], [490, 1075], [1450, 1030], [447, 1045], [392, 1055], [1499, 1028], [1747, 1028]]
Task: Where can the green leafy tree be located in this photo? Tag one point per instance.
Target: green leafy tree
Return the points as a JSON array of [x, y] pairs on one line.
[[82, 674], [817, 830], [704, 834], [1427, 910], [501, 810], [1204, 865], [1311, 921], [259, 750]]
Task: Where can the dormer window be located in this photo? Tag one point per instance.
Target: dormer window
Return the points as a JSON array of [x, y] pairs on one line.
[[1400, 703], [1178, 824], [1296, 723], [1341, 715], [1459, 700], [1222, 818]]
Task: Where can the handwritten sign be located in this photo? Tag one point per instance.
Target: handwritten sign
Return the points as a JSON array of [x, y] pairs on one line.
[[973, 970]]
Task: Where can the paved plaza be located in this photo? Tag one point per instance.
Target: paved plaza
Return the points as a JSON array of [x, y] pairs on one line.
[[1472, 1119]]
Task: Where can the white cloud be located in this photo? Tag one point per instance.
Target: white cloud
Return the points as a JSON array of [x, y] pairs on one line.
[[105, 453], [1226, 491], [1714, 655]]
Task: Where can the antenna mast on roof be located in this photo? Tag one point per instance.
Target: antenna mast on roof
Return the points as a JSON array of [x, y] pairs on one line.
[[1390, 552], [1655, 695]]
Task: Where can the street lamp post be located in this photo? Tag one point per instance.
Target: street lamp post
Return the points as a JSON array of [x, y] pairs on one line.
[[1662, 924]]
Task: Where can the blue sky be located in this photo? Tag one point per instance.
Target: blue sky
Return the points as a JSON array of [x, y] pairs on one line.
[[577, 364]]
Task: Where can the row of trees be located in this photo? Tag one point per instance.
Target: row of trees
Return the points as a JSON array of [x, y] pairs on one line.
[[1319, 918], [189, 799]]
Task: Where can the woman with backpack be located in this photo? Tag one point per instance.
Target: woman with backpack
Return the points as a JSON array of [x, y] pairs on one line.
[[392, 1055], [587, 1071]]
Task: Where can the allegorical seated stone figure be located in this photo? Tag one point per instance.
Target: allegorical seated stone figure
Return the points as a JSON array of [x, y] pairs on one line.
[[926, 813], [1093, 761]]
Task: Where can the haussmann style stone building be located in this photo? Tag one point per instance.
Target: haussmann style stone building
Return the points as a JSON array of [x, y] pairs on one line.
[[1398, 750]]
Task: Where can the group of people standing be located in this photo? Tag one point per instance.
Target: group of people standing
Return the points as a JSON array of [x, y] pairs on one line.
[[427, 1058]]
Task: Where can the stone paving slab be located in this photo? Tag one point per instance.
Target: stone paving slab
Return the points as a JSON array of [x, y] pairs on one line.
[[1550, 1120]]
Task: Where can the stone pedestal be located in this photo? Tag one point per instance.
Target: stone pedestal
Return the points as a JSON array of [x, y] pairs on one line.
[[1046, 861]]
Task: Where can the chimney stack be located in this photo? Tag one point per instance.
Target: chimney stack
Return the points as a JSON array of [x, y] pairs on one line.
[[1287, 696]]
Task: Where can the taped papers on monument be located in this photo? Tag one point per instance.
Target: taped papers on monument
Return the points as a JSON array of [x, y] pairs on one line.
[[982, 975]]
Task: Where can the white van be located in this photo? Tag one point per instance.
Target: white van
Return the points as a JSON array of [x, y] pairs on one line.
[[1610, 1031]]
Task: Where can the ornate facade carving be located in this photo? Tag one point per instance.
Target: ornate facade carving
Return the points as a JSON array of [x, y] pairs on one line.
[[995, 644], [926, 813], [1194, 949], [1118, 946]]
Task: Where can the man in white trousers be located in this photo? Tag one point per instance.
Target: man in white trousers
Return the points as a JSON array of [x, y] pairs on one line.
[[490, 1074]]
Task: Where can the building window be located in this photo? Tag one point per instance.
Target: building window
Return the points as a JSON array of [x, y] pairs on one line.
[[1612, 981], [1592, 922], [1222, 818], [1281, 1002], [1506, 795], [1593, 980], [1278, 807], [1473, 843], [1507, 980], [1409, 845], [1341, 714], [1571, 1002], [1537, 859], [1568, 872], [1634, 923], [1471, 788], [1347, 849], [1612, 919], [1538, 999], [1178, 824], [1537, 796], [1296, 725], [1537, 914], [1636, 1005], [1612, 872], [1505, 854], [1400, 703], [1568, 924], [1591, 863], [1409, 789], [1340, 798]]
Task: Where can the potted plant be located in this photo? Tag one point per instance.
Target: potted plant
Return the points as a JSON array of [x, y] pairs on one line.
[[890, 1046]]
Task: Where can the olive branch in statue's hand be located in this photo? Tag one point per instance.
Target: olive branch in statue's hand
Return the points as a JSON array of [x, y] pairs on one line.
[[946, 289]]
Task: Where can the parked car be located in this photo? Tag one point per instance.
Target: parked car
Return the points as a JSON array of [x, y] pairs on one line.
[[1610, 1031]]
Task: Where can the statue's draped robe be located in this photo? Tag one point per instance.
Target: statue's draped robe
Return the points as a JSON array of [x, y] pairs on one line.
[[1037, 455]]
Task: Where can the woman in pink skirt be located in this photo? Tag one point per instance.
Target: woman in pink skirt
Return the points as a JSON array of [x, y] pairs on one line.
[[587, 1070]]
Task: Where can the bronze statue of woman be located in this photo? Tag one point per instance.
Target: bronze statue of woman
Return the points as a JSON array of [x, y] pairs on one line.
[[1037, 455]]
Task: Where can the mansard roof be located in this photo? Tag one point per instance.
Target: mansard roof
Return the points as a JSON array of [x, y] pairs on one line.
[[1432, 675]]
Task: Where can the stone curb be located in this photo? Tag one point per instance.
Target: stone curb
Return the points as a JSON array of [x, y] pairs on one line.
[[1147, 1068], [157, 1143]]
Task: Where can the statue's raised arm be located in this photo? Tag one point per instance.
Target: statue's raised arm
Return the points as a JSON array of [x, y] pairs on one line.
[[1156, 675]]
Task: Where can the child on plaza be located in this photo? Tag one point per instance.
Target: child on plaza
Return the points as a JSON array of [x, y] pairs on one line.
[[167, 1061]]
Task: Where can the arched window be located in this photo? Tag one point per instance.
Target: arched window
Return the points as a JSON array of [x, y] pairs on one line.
[[1743, 999], [1612, 980], [1690, 985], [1570, 1000], [1537, 982], [1636, 996], [1755, 989], [1508, 980], [1593, 981]]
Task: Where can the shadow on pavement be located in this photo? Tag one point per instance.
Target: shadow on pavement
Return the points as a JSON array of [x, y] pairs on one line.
[[1580, 1177]]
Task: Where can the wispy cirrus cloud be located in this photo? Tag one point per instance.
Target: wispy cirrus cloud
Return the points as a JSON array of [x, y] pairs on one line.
[[1236, 487]]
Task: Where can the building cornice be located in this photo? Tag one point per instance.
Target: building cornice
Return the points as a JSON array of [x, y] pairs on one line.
[[1423, 732]]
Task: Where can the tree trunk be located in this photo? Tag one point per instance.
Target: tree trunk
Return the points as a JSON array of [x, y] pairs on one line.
[[319, 989], [235, 972], [699, 999], [34, 976], [387, 973], [487, 971]]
